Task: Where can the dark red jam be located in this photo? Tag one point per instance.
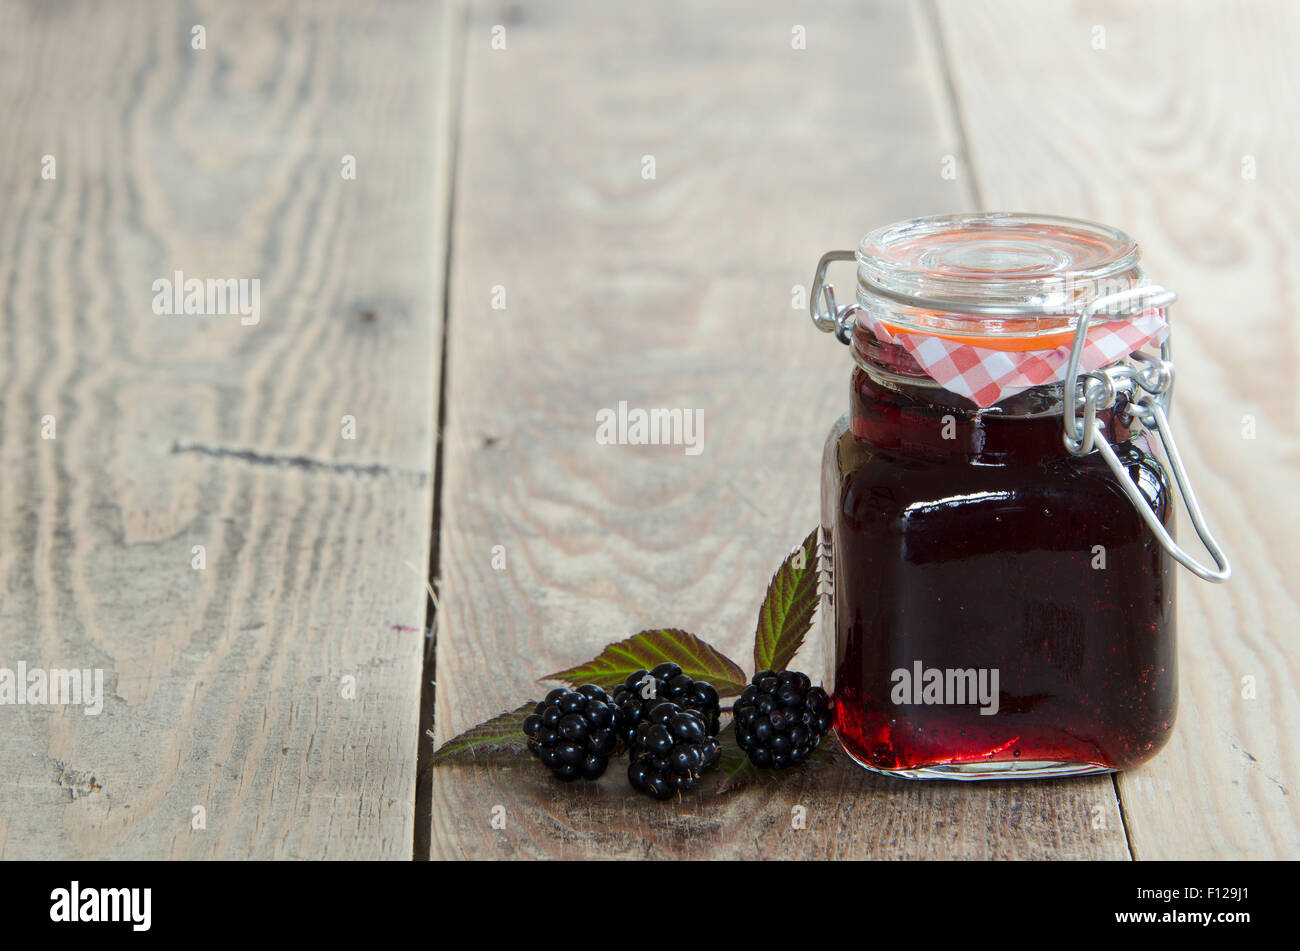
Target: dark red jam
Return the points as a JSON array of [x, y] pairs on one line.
[[968, 542]]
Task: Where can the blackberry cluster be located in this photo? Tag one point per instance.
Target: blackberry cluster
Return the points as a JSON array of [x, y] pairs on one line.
[[781, 718], [671, 746], [644, 689], [574, 731]]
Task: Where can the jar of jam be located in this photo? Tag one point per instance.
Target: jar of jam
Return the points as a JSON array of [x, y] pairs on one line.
[[997, 534]]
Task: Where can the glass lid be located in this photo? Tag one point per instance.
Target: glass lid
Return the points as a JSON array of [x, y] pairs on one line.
[[970, 267]]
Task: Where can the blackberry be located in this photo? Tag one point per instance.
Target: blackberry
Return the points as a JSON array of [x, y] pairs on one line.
[[644, 689], [671, 746], [574, 731], [781, 718]]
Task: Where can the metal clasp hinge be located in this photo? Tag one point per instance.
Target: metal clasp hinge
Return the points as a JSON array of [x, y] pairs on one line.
[[1148, 388], [836, 320]]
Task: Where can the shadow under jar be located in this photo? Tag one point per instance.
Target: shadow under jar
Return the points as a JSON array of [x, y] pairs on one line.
[[998, 559]]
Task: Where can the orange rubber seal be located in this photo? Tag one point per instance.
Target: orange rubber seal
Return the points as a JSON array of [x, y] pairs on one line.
[[1006, 344]]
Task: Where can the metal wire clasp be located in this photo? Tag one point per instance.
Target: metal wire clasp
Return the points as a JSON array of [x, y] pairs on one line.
[[836, 320], [1147, 384]]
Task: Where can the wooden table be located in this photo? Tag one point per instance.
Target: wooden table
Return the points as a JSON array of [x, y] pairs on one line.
[[498, 268]]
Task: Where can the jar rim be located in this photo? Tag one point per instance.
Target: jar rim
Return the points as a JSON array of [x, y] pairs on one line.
[[997, 264]]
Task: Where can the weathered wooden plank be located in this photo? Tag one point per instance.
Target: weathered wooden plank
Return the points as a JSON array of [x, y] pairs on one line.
[[674, 291], [1177, 123], [224, 686]]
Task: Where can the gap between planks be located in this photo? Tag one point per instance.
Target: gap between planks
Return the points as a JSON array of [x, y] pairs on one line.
[[456, 34]]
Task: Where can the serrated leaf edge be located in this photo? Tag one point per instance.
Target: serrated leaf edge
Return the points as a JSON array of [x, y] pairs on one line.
[[446, 753], [601, 666], [771, 657]]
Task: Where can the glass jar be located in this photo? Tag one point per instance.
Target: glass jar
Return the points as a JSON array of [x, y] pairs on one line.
[[998, 552]]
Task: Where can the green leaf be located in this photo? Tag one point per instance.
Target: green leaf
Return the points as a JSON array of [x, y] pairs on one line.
[[736, 770], [787, 611], [734, 767], [504, 733], [645, 651]]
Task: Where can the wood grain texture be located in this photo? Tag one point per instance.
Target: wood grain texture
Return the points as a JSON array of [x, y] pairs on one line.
[[674, 292], [224, 685], [1157, 133]]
